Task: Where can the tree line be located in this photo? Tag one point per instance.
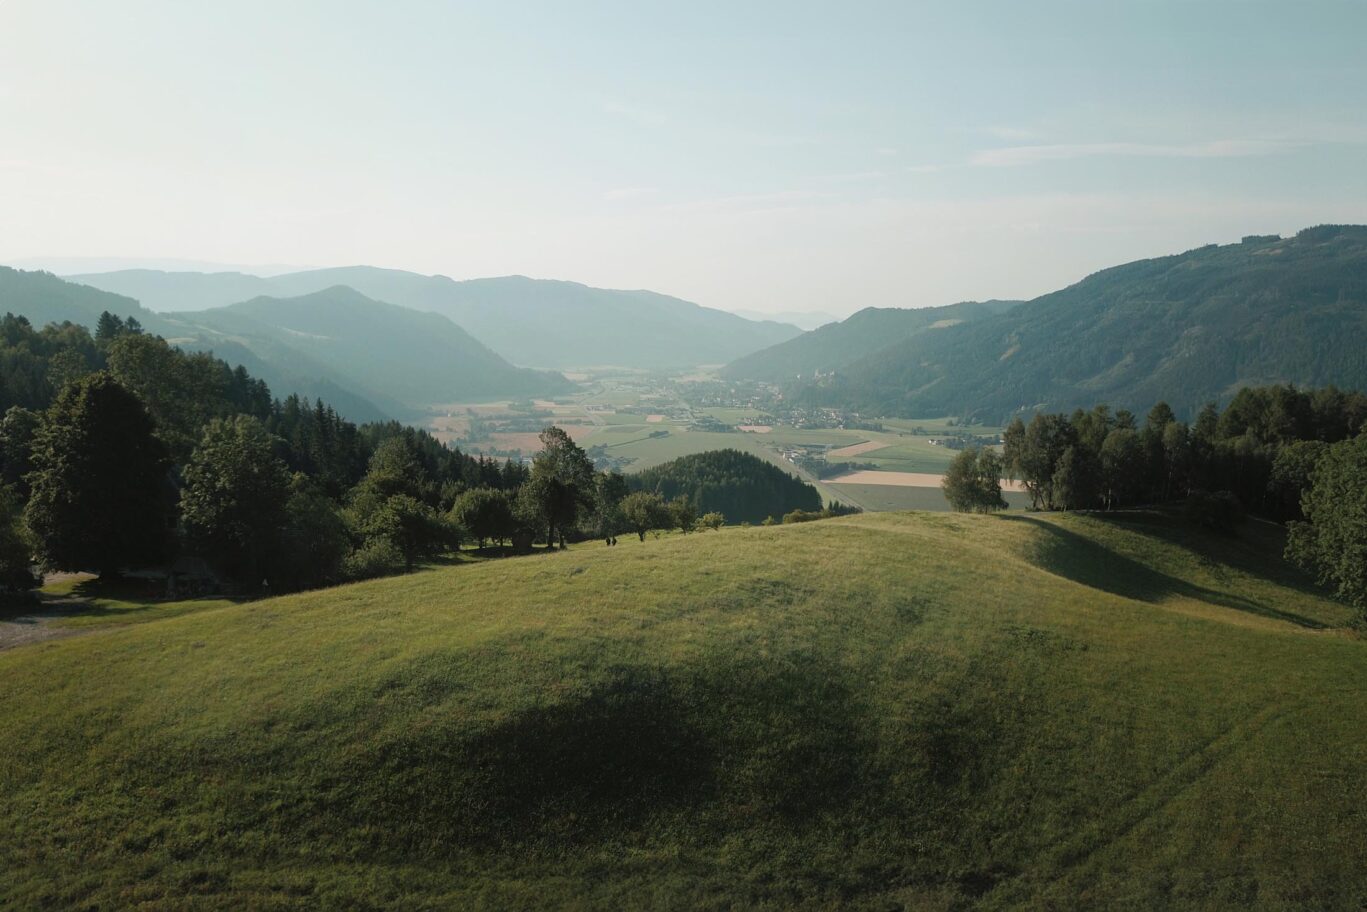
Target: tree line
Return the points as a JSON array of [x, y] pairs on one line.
[[1289, 455], [120, 451]]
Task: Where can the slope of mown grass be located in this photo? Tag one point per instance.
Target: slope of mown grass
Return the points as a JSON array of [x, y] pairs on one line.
[[917, 710]]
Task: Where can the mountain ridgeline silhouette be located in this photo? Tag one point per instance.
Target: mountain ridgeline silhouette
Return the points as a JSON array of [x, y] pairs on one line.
[[1186, 329], [531, 322]]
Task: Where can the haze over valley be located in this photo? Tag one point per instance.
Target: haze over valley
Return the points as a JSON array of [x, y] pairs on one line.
[[879, 456]]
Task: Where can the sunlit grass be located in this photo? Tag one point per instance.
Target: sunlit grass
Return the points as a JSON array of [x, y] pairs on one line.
[[925, 710]]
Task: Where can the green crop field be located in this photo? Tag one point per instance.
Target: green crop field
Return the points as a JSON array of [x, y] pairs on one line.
[[881, 498], [905, 454], [733, 415], [882, 711], [937, 426], [650, 451]]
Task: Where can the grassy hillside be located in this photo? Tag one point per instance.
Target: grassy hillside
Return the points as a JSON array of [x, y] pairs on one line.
[[1187, 329], [837, 345], [387, 353], [532, 322], [914, 710]]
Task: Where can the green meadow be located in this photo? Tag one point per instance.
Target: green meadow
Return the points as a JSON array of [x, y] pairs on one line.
[[885, 711]]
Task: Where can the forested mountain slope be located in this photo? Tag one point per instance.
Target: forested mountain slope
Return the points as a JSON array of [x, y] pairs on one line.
[[837, 345], [533, 322], [1186, 329], [387, 353], [43, 298]]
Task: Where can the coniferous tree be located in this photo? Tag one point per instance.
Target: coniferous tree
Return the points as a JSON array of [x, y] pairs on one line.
[[99, 497]]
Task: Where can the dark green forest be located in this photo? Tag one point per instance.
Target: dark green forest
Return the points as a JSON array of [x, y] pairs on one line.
[[118, 449], [742, 487], [1261, 450]]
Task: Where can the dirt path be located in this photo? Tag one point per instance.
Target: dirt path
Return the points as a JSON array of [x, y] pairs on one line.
[[34, 628], [35, 624], [858, 449]]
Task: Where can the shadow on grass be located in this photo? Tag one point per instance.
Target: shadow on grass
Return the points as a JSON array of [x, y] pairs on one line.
[[115, 599], [1080, 559]]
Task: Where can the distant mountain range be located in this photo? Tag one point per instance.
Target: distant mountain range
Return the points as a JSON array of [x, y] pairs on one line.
[[532, 322], [367, 359], [43, 298], [802, 319], [838, 345], [1186, 329], [391, 355]]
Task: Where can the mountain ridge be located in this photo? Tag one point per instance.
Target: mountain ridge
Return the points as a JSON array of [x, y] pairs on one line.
[[1186, 328], [549, 323], [836, 345], [396, 356]]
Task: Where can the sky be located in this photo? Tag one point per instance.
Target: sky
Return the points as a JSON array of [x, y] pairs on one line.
[[785, 156]]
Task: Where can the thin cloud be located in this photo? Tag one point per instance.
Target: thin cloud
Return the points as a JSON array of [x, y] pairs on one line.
[[642, 116], [852, 177], [1012, 156], [752, 202], [1013, 134], [630, 193]]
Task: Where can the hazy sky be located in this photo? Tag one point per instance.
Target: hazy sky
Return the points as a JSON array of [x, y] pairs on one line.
[[754, 155]]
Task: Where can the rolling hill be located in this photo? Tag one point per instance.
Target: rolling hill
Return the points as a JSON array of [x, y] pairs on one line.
[[742, 486], [393, 356], [1186, 329], [837, 345], [876, 712], [533, 322]]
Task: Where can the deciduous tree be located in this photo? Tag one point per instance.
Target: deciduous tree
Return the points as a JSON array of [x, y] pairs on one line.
[[233, 503], [1332, 542], [643, 511], [972, 483]]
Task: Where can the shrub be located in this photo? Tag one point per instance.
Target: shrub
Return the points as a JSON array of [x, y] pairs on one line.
[[377, 557], [1221, 510]]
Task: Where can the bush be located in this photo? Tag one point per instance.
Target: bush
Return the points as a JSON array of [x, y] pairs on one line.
[[713, 520], [801, 516], [377, 557], [1221, 510]]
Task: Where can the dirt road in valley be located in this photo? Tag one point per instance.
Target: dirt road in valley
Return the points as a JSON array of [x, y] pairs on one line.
[[906, 480]]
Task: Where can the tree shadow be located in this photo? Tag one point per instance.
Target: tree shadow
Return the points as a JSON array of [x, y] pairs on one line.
[[113, 599], [1082, 560]]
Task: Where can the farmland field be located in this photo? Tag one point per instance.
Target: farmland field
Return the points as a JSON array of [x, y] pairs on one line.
[[881, 497], [621, 412], [906, 480]]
